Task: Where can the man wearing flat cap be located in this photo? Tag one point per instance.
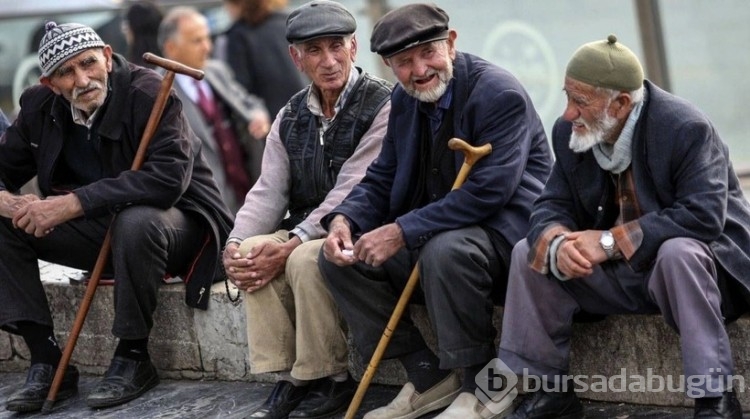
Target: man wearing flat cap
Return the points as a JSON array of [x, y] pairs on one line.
[[318, 148], [404, 211], [642, 213], [78, 132]]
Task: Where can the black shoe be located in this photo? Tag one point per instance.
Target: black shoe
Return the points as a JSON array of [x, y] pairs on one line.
[[549, 405], [326, 398], [125, 380], [33, 394], [284, 397], [726, 406]]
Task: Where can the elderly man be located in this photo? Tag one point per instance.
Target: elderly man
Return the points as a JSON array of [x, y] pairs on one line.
[[643, 213], [230, 122], [319, 147], [403, 211], [78, 132]]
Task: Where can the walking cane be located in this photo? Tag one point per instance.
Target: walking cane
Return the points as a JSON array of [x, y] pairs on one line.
[[471, 156], [172, 67]]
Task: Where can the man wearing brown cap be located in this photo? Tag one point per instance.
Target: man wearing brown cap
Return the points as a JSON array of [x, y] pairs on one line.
[[318, 148], [78, 132], [403, 211], [643, 213]]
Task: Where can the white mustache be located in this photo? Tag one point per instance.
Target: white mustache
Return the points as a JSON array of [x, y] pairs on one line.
[[82, 90]]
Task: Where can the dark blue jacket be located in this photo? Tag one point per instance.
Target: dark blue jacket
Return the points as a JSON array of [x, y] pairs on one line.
[[489, 106], [684, 183]]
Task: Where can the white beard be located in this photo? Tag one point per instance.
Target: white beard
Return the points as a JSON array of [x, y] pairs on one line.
[[434, 94], [595, 133]]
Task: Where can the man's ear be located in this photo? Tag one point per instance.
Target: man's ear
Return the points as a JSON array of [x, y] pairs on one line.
[[452, 35], [386, 61], [295, 57], [354, 48], [624, 105], [107, 51], [47, 82]]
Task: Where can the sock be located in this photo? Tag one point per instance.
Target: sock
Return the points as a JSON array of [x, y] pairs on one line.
[[41, 342], [340, 377], [470, 378], [287, 376], [423, 369], [135, 349]]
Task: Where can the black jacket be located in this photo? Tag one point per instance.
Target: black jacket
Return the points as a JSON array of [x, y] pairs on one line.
[[174, 173]]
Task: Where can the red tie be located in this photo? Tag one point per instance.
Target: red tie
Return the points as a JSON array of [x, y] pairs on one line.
[[208, 106], [232, 153]]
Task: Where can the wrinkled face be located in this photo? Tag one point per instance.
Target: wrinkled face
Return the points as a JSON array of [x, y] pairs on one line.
[[82, 79], [589, 112], [425, 70], [192, 44], [326, 61]]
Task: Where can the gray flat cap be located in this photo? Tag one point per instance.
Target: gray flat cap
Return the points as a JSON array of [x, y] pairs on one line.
[[407, 27], [319, 18]]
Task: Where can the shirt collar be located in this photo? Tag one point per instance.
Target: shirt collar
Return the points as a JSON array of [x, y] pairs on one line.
[[313, 99], [443, 104]]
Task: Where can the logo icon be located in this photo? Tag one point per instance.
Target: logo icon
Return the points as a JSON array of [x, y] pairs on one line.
[[496, 386]]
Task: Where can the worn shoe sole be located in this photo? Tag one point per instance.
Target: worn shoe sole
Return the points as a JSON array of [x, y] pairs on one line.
[[36, 405], [102, 403]]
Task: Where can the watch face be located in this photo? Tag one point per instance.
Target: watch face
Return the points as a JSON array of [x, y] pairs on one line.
[[607, 240]]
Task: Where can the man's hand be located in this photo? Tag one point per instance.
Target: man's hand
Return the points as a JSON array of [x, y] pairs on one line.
[[338, 246], [10, 204], [579, 253], [262, 264], [379, 245], [41, 216], [259, 125]]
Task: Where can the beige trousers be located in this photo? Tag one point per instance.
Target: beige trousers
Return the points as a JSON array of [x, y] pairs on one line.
[[293, 322]]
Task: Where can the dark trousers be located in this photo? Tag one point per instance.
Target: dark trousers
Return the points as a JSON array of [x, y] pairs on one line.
[[457, 270], [146, 243]]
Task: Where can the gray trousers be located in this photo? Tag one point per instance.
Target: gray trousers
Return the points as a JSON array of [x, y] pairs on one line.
[[682, 286], [146, 243], [457, 270]]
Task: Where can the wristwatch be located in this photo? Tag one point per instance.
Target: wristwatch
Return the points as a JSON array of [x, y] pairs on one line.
[[607, 241]]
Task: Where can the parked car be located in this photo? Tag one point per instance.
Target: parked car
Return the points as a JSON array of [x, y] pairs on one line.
[[22, 27]]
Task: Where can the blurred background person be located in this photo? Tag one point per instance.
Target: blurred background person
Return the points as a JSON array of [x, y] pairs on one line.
[[255, 48], [140, 25], [228, 120]]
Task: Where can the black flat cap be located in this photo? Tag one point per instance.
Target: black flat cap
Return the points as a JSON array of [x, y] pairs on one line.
[[319, 18], [407, 27]]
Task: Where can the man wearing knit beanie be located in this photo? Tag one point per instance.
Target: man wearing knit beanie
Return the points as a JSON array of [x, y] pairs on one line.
[[78, 133], [643, 213]]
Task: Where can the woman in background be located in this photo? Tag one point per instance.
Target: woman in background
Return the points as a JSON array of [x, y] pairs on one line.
[[140, 25]]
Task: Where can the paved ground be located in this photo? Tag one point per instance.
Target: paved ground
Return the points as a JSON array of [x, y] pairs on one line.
[[230, 400]]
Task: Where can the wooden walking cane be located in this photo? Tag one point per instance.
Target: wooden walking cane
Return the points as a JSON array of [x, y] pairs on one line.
[[172, 67], [471, 156]]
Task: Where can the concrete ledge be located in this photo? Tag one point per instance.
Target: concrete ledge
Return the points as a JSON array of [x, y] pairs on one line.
[[212, 345]]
